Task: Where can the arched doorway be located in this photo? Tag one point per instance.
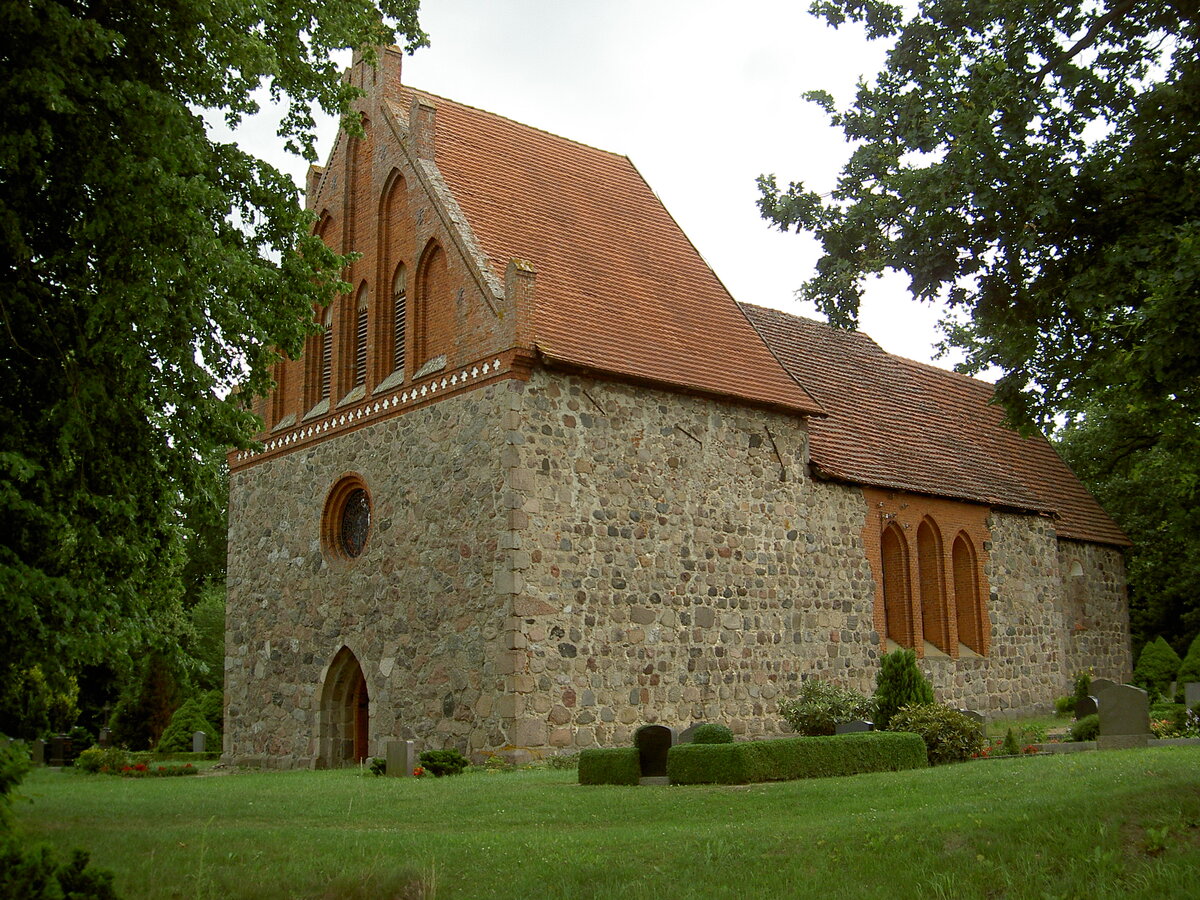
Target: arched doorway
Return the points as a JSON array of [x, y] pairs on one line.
[[345, 713]]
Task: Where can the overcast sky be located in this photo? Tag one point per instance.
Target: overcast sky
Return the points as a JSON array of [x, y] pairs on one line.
[[702, 96]]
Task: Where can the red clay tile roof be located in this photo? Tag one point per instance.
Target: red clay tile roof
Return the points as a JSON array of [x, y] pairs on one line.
[[619, 289], [899, 424]]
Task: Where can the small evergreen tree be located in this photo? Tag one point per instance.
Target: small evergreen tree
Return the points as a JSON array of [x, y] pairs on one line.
[[899, 683], [1189, 670], [187, 720], [1156, 668]]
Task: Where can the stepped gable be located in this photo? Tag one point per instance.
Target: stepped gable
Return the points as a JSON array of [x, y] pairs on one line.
[[899, 424], [620, 290]]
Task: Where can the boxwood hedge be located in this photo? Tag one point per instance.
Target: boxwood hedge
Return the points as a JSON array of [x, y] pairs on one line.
[[783, 759], [615, 765]]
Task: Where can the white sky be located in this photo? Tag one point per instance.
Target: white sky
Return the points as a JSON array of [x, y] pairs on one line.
[[702, 96]]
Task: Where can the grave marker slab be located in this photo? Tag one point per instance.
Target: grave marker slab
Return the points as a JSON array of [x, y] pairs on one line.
[[37, 752], [1191, 693], [199, 738], [401, 758], [853, 727], [1086, 707], [1124, 718]]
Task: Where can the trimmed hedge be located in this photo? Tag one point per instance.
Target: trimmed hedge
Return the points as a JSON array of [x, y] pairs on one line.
[[712, 734], [784, 759], [615, 765]]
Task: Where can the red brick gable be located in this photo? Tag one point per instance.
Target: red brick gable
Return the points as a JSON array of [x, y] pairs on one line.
[[620, 289], [898, 424]]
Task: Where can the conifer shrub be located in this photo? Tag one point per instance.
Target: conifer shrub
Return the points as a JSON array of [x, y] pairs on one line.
[[1010, 747], [819, 707], [1189, 670], [785, 759], [899, 684], [615, 765], [1156, 668], [1086, 729], [948, 735], [443, 762], [186, 721], [712, 734]]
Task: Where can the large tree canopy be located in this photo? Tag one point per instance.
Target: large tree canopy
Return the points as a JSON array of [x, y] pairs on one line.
[[1035, 164], [145, 270]]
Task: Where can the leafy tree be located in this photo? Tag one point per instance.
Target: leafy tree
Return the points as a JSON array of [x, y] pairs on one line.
[[1035, 165], [1145, 470], [146, 272]]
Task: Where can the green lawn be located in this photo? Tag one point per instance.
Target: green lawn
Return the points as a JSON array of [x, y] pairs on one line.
[[1094, 825]]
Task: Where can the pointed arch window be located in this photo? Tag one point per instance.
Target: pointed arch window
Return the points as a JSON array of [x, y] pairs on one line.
[[935, 621], [968, 601], [360, 336], [897, 587], [327, 354], [399, 316]]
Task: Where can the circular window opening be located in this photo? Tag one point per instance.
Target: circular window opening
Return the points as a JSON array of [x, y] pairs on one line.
[[346, 525]]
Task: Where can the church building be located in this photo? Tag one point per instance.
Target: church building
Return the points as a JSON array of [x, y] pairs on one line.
[[541, 480]]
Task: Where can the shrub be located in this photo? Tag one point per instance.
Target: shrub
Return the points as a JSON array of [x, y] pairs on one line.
[[377, 765], [616, 765], [712, 734], [1156, 668], [443, 762], [34, 871], [107, 760], [1065, 706], [784, 759], [820, 706], [14, 765], [1086, 729], [1189, 670], [1010, 747], [898, 684], [949, 736], [1082, 685]]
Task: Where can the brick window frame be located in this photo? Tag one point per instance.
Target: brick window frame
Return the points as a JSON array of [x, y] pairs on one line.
[[970, 613], [345, 536], [931, 587]]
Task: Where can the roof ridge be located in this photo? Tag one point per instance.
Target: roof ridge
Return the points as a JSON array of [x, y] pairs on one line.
[[512, 121]]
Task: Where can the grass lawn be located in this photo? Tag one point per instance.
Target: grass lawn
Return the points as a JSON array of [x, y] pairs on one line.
[[1095, 825]]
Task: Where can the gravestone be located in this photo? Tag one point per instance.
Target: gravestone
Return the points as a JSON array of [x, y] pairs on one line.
[[105, 737], [1099, 685], [37, 752], [685, 736], [1124, 718], [853, 727], [60, 750], [1191, 693], [198, 740], [401, 758], [1085, 707], [653, 742]]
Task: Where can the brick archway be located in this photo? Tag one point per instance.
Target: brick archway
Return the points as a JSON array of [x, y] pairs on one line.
[[345, 713]]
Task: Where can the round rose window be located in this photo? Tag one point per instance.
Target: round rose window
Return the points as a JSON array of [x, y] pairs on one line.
[[346, 524], [356, 522]]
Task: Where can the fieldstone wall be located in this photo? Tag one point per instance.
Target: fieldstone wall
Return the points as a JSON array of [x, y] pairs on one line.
[[418, 609], [1095, 610], [553, 563], [681, 566]]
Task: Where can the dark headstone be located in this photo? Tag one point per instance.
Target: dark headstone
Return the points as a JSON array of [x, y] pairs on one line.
[[1124, 718], [1086, 707], [653, 742], [37, 752], [1099, 685], [685, 736], [60, 750], [852, 727], [105, 737]]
